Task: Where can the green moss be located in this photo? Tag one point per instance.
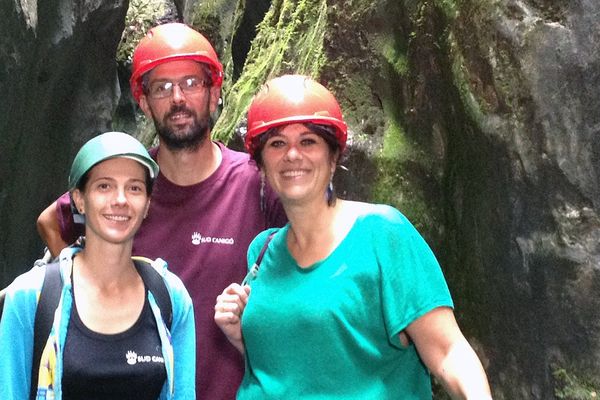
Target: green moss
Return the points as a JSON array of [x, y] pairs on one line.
[[206, 20], [360, 110], [488, 79], [460, 76], [394, 141], [289, 40], [397, 59], [448, 7], [399, 165], [395, 188], [141, 15], [572, 387], [218, 21], [391, 185]]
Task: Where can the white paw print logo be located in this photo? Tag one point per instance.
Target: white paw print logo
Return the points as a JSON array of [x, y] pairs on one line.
[[196, 238], [131, 357]]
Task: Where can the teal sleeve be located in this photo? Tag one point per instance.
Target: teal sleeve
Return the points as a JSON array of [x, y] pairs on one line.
[[412, 282], [183, 337], [16, 334]]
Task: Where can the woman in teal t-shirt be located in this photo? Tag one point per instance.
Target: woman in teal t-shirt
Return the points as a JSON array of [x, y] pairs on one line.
[[349, 301]]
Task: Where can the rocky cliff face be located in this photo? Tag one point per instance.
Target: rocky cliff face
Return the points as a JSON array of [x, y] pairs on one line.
[[477, 119], [523, 190], [59, 86]]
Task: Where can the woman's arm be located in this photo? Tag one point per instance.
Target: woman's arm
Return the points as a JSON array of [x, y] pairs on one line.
[[228, 313], [446, 352], [16, 335]]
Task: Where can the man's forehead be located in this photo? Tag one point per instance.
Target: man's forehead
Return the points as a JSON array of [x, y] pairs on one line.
[[178, 68]]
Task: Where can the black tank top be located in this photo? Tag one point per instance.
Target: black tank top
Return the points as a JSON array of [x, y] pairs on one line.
[[126, 365]]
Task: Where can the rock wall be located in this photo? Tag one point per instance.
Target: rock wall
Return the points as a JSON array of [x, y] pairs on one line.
[[524, 191], [59, 86]]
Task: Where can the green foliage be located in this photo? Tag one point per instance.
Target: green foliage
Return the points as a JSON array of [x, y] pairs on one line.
[[289, 40], [568, 386], [141, 15]]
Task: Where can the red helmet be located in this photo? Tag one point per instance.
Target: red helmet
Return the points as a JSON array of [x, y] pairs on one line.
[[172, 42], [293, 99]]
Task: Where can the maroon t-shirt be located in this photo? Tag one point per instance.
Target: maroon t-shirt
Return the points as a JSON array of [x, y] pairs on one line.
[[203, 232]]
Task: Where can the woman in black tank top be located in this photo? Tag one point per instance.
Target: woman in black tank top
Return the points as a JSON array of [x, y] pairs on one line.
[[108, 339]]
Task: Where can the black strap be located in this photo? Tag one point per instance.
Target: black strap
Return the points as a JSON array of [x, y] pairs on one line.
[[156, 284], [2, 296], [264, 249], [253, 271], [44, 316]]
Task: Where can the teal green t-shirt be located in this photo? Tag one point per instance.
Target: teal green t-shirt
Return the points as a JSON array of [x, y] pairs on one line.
[[330, 331]]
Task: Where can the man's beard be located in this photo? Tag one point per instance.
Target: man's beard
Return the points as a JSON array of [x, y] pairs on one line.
[[190, 137]]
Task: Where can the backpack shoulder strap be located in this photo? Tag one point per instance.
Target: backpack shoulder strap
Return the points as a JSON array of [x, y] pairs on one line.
[[44, 316], [156, 284], [2, 296]]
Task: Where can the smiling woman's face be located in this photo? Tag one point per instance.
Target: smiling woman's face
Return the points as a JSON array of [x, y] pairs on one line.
[[298, 164], [114, 200]]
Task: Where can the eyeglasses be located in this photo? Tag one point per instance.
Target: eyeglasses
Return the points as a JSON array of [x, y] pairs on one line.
[[188, 85]]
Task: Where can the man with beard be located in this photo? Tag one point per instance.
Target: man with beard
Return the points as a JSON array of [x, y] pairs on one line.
[[208, 201]]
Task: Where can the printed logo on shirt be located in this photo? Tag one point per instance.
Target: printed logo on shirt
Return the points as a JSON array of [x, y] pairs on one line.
[[133, 358], [198, 239]]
